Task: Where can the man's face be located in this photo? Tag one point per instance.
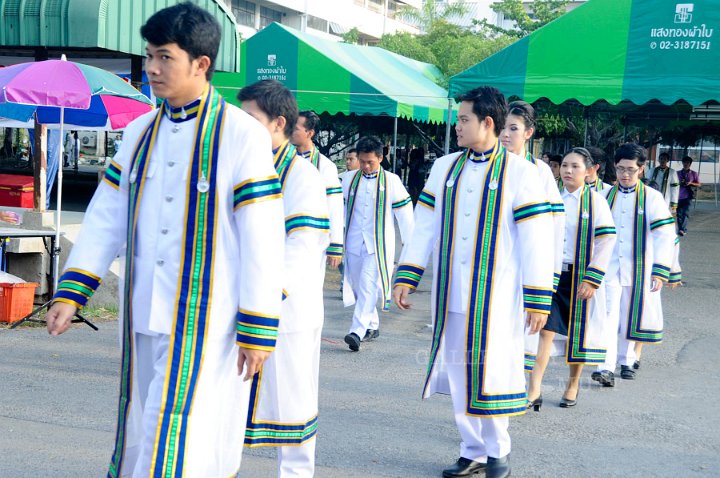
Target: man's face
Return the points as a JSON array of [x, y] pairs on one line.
[[351, 161], [470, 130], [628, 172], [663, 160], [272, 125], [369, 162], [686, 165], [172, 74], [555, 168], [301, 135]]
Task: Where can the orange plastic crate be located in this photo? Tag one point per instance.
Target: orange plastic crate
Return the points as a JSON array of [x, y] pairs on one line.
[[16, 300]]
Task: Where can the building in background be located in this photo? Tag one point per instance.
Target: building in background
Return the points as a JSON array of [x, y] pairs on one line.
[[325, 18]]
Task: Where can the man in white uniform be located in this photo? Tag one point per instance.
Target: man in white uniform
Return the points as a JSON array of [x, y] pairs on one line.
[[639, 266], [372, 197], [193, 203], [305, 128], [666, 180], [480, 215], [284, 399]]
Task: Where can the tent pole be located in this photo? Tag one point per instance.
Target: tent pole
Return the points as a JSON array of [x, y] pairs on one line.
[[585, 138], [702, 140], [447, 126], [396, 163]]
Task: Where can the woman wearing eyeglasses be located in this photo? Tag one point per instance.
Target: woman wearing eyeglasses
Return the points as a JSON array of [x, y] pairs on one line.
[[519, 128], [578, 305], [641, 263]]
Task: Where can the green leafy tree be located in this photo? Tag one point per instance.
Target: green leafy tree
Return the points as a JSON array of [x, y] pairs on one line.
[[352, 36], [528, 17], [408, 45], [431, 12]]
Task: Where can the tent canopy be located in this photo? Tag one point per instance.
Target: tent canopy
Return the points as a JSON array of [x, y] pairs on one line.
[[333, 77], [612, 50]]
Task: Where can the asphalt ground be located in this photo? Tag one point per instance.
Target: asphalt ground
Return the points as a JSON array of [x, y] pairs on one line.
[[58, 397]]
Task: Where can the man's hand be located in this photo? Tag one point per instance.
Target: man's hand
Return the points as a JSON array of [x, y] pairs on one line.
[[657, 284], [59, 317], [252, 359], [673, 211], [334, 261], [586, 291], [535, 321], [400, 297]]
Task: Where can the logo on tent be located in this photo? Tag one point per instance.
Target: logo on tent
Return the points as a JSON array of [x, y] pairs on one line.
[[683, 12], [272, 60]]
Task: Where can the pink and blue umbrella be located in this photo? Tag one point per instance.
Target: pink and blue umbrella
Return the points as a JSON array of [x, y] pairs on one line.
[[87, 95]]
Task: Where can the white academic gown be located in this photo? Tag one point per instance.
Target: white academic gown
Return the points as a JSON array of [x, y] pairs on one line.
[[204, 270], [645, 242], [669, 184], [370, 242], [588, 245], [599, 185], [515, 275], [284, 397], [334, 192], [551, 239]]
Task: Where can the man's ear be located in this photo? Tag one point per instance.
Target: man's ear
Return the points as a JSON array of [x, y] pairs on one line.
[[281, 122], [203, 64]]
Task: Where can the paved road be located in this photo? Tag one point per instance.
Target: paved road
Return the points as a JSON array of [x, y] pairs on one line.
[[57, 398]]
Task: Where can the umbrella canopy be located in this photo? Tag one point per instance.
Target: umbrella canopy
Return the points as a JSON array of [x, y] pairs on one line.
[[612, 50], [90, 96], [335, 77]]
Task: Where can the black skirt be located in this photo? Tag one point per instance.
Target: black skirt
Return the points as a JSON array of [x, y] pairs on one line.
[[560, 310]]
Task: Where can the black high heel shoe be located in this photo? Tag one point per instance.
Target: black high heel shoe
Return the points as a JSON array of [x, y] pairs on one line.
[[567, 403], [535, 404]]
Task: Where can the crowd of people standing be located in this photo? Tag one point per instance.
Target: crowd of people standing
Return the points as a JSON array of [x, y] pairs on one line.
[[227, 217]]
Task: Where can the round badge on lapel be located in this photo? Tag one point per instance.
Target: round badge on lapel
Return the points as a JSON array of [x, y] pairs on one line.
[[450, 183], [493, 185]]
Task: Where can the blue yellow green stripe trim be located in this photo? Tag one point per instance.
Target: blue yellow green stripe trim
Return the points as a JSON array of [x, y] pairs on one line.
[[557, 208], [112, 176], [427, 199], [256, 331], [660, 271], [335, 249], [333, 190], [605, 231], [260, 433], [76, 286], [401, 203], [409, 275], [675, 278], [299, 222], [529, 361], [556, 281], [593, 276], [256, 190], [527, 211], [283, 160], [537, 299], [661, 222]]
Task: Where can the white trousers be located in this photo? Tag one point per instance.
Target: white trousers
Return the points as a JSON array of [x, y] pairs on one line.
[[364, 278], [619, 348], [481, 437], [216, 427]]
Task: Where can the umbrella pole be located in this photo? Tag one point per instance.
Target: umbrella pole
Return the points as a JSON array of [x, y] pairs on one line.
[[58, 206], [447, 126], [396, 163], [715, 178]]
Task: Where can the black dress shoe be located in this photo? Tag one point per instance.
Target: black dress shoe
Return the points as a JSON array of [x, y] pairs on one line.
[[636, 365], [567, 403], [535, 404], [627, 373], [498, 467], [463, 467], [371, 334], [606, 378], [353, 341]]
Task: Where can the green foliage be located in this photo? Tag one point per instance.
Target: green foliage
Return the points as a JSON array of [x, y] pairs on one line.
[[538, 13], [352, 36], [431, 12], [408, 45]]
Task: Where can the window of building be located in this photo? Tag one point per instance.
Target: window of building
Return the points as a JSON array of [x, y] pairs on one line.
[[244, 12], [360, 3], [268, 15], [317, 23], [392, 8], [376, 5]]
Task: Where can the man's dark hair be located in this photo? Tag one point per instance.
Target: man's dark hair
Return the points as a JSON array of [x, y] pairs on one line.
[[312, 120], [556, 158], [487, 101], [275, 100], [370, 144], [599, 158], [631, 151], [524, 110], [351, 151], [194, 30], [664, 155], [687, 159]]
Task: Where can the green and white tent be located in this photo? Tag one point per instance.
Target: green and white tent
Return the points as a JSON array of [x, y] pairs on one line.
[[334, 77], [635, 51]]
